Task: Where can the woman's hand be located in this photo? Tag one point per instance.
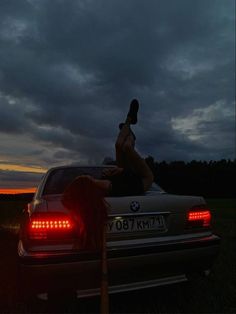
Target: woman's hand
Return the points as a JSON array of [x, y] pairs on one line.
[[112, 171]]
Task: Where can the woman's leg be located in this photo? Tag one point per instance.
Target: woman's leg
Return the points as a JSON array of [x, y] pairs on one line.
[[124, 133], [127, 157], [136, 163]]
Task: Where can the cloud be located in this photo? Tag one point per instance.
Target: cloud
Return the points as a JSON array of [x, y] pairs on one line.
[[68, 70], [193, 124], [18, 179], [212, 127]]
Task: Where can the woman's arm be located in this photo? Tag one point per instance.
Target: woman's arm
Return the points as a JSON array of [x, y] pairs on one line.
[[112, 171]]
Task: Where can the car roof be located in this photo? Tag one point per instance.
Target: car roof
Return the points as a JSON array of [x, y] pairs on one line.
[[80, 166]]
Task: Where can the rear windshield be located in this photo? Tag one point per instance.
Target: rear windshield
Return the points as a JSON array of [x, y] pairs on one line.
[[60, 178]]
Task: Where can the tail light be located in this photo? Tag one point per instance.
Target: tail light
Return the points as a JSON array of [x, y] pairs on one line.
[[46, 226], [199, 217]]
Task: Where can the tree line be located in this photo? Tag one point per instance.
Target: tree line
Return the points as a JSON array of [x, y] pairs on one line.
[[27, 197], [209, 179]]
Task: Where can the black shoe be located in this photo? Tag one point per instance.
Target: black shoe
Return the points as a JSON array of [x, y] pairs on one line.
[[133, 111], [121, 126]]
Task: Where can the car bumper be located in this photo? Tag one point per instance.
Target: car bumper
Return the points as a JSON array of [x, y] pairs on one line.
[[130, 267]]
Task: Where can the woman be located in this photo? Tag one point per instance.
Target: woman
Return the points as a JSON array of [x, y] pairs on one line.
[[132, 176]]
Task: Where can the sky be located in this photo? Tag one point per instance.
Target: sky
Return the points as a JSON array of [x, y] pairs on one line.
[[69, 69]]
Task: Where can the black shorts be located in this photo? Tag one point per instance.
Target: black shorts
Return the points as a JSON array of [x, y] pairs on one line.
[[126, 184]]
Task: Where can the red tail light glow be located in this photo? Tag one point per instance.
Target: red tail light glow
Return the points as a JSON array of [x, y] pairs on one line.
[[199, 217], [50, 224], [44, 225]]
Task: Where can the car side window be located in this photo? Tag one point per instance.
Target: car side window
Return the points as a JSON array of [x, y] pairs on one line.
[[156, 188]]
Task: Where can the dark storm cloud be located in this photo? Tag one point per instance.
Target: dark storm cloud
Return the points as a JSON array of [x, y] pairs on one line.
[[77, 64], [10, 123], [18, 179], [16, 176]]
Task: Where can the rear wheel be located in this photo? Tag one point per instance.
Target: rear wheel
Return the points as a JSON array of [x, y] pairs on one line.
[[200, 274]]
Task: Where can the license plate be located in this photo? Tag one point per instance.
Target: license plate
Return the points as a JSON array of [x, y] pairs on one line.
[[130, 224]]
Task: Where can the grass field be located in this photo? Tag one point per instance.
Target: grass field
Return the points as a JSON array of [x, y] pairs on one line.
[[213, 294]]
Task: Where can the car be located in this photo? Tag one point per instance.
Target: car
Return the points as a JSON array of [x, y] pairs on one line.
[[152, 239]]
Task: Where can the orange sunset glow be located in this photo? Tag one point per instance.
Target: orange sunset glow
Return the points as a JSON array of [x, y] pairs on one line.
[[17, 191], [15, 167]]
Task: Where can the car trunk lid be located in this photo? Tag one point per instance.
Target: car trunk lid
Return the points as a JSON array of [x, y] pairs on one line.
[[142, 216], [158, 215]]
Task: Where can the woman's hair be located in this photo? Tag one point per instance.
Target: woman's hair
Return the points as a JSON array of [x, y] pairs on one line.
[[85, 201]]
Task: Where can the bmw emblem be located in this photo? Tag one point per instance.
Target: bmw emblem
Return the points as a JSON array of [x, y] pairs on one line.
[[134, 206]]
